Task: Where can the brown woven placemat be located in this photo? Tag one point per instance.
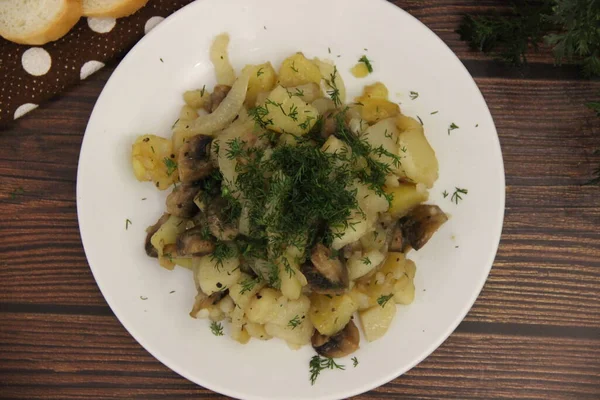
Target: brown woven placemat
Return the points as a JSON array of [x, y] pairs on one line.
[[30, 75]]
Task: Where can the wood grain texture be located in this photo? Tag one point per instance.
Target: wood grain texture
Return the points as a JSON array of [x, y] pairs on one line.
[[534, 332]]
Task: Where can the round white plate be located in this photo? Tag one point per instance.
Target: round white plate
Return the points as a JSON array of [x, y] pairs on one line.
[[144, 96]]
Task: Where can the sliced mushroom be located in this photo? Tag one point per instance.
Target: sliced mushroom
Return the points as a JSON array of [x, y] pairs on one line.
[[328, 124], [193, 160], [339, 345], [203, 301], [397, 241], [420, 224], [193, 243], [181, 201], [325, 273], [217, 222], [151, 250], [216, 97]]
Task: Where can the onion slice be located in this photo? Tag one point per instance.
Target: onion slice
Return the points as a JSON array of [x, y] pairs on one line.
[[224, 114]]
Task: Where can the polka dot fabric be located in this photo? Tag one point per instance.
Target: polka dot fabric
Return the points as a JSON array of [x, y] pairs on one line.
[[30, 75]]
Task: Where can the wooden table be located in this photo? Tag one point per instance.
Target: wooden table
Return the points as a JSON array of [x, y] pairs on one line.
[[534, 332]]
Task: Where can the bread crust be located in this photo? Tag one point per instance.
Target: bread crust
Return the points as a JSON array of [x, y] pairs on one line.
[[70, 14], [119, 10]]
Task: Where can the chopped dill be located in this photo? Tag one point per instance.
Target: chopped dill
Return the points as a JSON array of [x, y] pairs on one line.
[[382, 300], [222, 252], [367, 63], [248, 284], [216, 328], [318, 364], [452, 127], [294, 322], [171, 165], [414, 95], [334, 92], [456, 196]]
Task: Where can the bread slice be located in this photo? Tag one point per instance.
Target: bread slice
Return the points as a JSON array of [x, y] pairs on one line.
[[37, 22], [111, 8]]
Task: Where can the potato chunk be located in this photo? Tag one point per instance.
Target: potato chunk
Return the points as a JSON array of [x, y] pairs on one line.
[[213, 276], [153, 160], [405, 197], [330, 313], [298, 70], [377, 320], [374, 105], [287, 113], [418, 159], [262, 79]]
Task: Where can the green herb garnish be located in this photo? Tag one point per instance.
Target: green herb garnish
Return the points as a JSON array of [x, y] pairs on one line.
[[382, 300], [127, 223], [318, 364], [367, 63], [456, 196], [248, 284], [452, 127], [170, 164], [414, 95], [294, 322], [354, 361], [216, 328]]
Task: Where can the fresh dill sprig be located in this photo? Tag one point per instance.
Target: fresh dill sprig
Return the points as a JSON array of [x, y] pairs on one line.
[[248, 284], [334, 92], [456, 196], [294, 322], [127, 223], [354, 361], [216, 328], [222, 252], [452, 127], [258, 114], [594, 106], [414, 95], [570, 27], [318, 364], [170, 164], [383, 299], [367, 63]]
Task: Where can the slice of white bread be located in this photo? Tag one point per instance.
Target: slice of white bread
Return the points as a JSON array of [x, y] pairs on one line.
[[111, 8], [37, 22]]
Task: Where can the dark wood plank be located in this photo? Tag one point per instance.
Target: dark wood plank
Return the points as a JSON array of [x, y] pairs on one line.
[[37, 353]]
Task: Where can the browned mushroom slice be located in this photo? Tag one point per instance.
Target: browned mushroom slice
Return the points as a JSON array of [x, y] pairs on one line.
[[218, 223], [181, 201], [339, 345], [397, 241], [193, 242], [203, 301], [193, 160], [328, 124], [151, 230], [217, 96], [325, 274], [420, 225]]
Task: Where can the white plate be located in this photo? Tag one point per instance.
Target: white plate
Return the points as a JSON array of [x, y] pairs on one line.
[[144, 96]]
